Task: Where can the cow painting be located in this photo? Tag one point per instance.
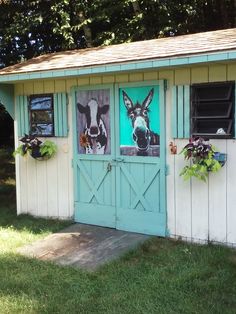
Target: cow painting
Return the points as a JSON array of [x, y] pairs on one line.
[[94, 136]]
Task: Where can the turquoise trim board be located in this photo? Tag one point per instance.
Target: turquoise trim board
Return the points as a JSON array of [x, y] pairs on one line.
[[181, 111], [134, 65], [60, 114], [22, 115], [7, 98]]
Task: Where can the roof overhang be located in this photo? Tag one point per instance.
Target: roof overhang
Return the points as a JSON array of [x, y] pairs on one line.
[[140, 65]]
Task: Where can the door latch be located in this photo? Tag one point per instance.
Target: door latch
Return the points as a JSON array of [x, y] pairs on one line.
[[109, 166], [119, 159]]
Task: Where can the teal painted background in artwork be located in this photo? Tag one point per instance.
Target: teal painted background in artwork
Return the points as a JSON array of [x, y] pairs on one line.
[[138, 94]]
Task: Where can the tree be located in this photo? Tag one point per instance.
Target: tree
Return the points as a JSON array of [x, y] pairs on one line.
[[31, 28]]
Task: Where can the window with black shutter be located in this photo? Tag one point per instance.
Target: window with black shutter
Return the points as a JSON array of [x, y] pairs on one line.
[[212, 109]]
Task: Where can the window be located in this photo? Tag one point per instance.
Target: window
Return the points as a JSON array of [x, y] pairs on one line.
[[41, 115], [212, 110]]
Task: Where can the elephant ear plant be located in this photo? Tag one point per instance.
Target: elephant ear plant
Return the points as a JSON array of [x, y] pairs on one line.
[[36, 148], [201, 156]]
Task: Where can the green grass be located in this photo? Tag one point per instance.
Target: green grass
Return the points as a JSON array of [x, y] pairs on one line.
[[161, 276]]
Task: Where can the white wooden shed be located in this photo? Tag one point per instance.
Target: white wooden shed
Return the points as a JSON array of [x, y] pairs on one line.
[[116, 184]]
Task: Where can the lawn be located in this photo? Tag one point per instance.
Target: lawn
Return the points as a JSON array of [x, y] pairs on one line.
[[161, 276]]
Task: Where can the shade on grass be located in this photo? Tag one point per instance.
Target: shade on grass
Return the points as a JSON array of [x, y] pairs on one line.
[[161, 276]]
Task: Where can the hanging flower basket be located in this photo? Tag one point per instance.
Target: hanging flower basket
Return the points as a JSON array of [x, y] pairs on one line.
[[35, 148], [203, 159]]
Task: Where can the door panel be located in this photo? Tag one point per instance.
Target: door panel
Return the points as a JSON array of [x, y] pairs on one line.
[[95, 194], [93, 151], [140, 174], [139, 198]]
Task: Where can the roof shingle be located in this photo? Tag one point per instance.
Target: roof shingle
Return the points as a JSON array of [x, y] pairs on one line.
[[208, 42]]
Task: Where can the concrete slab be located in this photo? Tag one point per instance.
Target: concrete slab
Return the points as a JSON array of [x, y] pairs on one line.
[[83, 246]]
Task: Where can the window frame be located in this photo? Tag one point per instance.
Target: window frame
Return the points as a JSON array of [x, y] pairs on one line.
[[31, 97], [228, 116]]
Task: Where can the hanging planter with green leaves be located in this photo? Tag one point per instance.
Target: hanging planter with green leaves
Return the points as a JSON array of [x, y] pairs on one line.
[[35, 148], [203, 159]]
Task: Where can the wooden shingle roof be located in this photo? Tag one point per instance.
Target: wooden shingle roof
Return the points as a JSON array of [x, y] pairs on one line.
[[171, 47]]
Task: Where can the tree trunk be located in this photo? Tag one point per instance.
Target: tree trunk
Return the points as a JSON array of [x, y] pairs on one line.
[[234, 12], [86, 29], [136, 7], [224, 13]]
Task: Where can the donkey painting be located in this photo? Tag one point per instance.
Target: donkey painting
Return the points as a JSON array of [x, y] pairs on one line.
[[138, 114], [94, 138]]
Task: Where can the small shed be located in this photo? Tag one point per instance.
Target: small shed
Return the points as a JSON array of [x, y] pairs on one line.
[[113, 113]]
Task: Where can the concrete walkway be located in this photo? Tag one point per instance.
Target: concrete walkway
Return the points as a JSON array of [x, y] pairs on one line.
[[83, 246]]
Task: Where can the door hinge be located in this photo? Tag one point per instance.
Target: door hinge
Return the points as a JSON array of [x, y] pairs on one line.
[[167, 170], [72, 163]]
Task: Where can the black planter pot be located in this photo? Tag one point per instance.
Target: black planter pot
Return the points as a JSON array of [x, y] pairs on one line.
[[35, 153]]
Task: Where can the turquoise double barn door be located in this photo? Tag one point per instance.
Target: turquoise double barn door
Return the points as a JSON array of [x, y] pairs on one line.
[[119, 157]]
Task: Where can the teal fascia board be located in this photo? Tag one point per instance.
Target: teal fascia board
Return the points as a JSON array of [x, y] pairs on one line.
[[199, 59], [60, 73], [145, 65], [218, 57], [7, 98], [128, 66], [138, 65], [161, 63], [113, 68], [71, 72], [232, 55], [179, 61]]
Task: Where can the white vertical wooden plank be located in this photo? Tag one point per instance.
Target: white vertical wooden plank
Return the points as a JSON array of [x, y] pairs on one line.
[[23, 184], [41, 186], [182, 196], [49, 86], [199, 74], [32, 186], [199, 209], [170, 160], [38, 87], [231, 191], [17, 170], [63, 179], [52, 185], [28, 88], [217, 72], [217, 199]]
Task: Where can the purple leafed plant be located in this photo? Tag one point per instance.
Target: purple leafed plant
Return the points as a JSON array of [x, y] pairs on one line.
[[36, 148], [201, 155]]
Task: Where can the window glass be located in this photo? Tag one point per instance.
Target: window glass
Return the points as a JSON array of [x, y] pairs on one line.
[[41, 115], [41, 102], [212, 110]]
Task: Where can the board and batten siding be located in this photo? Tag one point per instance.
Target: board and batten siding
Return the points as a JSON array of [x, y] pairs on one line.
[[45, 188], [196, 211]]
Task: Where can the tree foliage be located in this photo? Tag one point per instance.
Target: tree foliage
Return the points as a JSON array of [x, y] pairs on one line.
[[31, 28]]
